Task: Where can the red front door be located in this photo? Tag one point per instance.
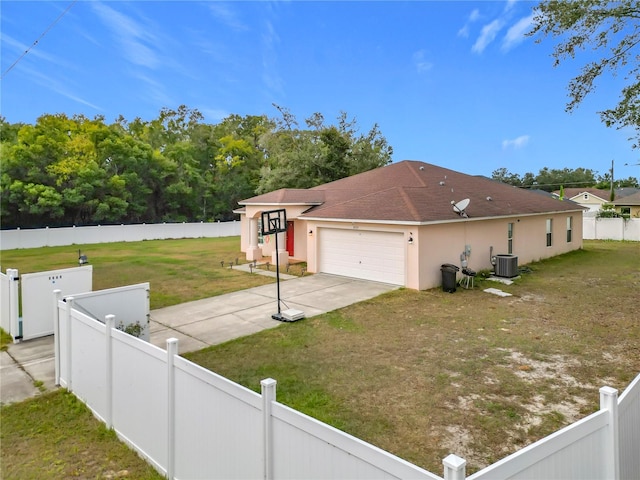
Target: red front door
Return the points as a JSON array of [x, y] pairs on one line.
[[290, 238]]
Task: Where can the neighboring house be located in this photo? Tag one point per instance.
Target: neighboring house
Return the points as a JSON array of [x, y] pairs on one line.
[[594, 198], [591, 198], [629, 205], [396, 224]]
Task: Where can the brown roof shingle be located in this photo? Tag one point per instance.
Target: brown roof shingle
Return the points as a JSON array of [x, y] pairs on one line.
[[412, 191], [628, 200]]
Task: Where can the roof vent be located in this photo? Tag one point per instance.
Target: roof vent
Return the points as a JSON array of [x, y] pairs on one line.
[[421, 168], [442, 183], [489, 199]]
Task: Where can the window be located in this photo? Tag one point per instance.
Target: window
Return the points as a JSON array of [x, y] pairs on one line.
[[569, 229], [509, 238], [586, 196], [260, 238], [549, 231], [625, 211]]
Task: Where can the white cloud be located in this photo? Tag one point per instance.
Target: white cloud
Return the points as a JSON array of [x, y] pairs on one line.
[[270, 75], [464, 32], [516, 34], [488, 35], [214, 114], [421, 64], [516, 143], [227, 16], [473, 16], [134, 38], [34, 52], [61, 86], [510, 4]]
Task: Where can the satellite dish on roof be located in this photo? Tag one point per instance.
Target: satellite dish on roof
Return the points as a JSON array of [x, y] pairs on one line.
[[461, 206]]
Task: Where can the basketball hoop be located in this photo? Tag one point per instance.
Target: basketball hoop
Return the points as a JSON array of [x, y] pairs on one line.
[[275, 222]]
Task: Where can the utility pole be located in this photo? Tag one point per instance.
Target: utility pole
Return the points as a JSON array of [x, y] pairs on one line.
[[612, 196]]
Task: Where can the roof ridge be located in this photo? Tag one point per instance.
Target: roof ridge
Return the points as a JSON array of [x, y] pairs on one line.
[[409, 204], [415, 171]]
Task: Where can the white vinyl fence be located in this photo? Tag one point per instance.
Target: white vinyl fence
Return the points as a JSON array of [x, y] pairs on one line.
[[25, 293], [130, 305], [9, 301], [594, 447], [192, 423], [594, 228], [51, 237]]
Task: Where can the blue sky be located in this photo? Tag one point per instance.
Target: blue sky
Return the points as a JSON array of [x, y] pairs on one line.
[[453, 83]]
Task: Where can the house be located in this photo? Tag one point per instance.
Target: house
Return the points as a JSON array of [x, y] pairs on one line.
[[591, 198], [400, 223], [594, 198], [629, 205]]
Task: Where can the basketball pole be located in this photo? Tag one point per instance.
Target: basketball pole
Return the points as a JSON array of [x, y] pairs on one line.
[[277, 316]]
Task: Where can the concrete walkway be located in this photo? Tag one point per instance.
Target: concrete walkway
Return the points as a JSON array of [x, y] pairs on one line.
[[198, 324]]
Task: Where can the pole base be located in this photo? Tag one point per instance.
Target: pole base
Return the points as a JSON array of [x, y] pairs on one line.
[[290, 315]]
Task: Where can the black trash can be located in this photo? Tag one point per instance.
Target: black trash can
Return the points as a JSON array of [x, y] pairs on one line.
[[449, 277]]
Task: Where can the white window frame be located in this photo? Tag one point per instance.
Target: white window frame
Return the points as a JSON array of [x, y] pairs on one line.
[[549, 232]]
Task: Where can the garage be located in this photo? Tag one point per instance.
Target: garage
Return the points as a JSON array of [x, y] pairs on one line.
[[365, 254]]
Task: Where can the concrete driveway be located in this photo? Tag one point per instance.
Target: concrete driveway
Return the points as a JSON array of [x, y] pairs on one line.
[[198, 324], [215, 320]]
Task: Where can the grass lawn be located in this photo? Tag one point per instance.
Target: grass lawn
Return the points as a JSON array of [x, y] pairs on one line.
[[178, 270], [56, 436], [421, 374], [425, 374]]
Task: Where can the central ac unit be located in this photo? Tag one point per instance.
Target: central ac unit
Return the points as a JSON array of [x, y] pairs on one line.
[[506, 266]]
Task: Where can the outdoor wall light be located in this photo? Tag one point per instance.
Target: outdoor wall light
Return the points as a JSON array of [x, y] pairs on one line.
[[410, 238], [310, 232]]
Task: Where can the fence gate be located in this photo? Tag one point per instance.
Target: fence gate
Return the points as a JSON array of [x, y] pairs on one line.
[[37, 295]]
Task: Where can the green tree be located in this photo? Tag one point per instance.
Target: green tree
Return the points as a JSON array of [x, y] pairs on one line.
[[612, 27], [547, 179], [551, 179], [303, 158], [64, 171], [505, 176]]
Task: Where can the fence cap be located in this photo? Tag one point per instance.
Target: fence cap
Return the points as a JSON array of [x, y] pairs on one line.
[[454, 461]]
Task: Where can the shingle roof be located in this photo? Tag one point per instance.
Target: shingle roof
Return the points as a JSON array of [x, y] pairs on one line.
[[628, 200], [287, 196], [574, 192], [626, 191], [412, 191]]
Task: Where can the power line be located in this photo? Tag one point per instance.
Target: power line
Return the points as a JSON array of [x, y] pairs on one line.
[[38, 39]]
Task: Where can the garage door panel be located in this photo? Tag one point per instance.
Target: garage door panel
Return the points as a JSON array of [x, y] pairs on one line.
[[370, 255]]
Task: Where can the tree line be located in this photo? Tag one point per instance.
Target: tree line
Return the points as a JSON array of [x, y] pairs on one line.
[[66, 171], [553, 179]]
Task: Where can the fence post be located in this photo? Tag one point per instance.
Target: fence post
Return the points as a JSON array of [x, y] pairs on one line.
[[68, 316], [268, 397], [609, 402], [172, 351], [56, 334], [14, 304], [109, 322], [454, 467]]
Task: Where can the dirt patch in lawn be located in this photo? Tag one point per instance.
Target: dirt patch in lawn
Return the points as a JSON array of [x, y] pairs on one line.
[[425, 374]]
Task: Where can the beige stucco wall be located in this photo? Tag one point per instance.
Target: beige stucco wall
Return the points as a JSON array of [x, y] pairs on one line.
[[300, 230], [635, 210], [591, 202], [445, 242], [436, 244]]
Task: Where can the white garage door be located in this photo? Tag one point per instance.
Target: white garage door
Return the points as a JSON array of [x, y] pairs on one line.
[[378, 256]]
